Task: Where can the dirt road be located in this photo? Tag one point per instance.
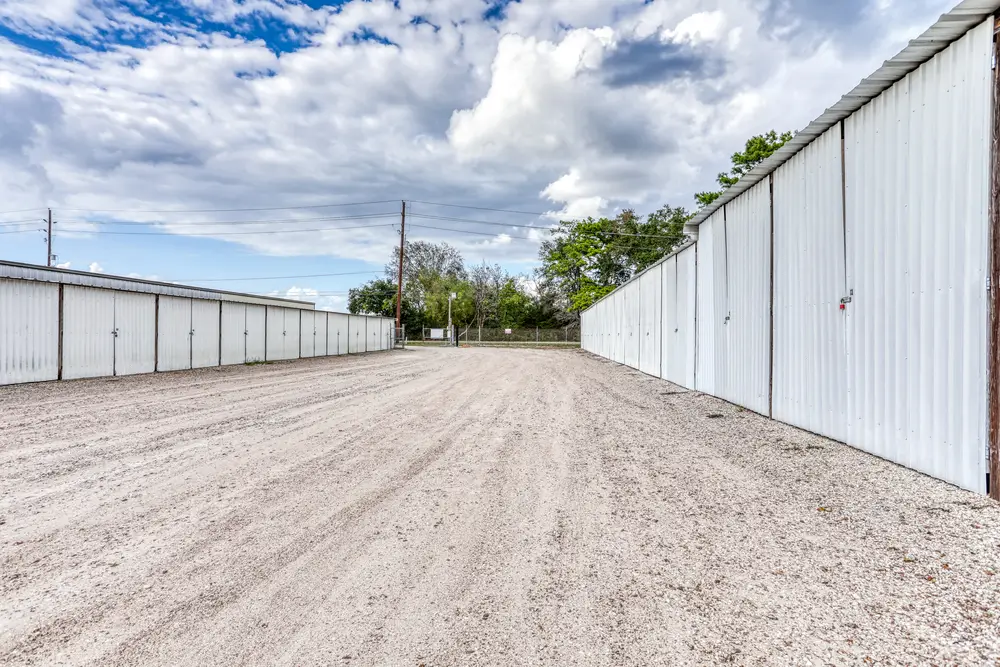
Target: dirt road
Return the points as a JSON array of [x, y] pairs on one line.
[[467, 507]]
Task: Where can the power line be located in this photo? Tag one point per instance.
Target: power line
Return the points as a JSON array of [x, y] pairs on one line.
[[364, 216], [183, 234], [226, 210], [475, 208], [11, 223], [469, 231], [23, 210], [314, 275], [545, 229]]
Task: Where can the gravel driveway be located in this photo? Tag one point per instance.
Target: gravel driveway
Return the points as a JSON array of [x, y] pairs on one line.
[[468, 507]]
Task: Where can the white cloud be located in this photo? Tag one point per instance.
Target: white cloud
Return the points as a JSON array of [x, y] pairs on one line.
[[63, 265], [95, 268], [523, 113]]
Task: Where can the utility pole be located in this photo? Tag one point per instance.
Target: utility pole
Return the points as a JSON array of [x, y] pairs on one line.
[[48, 257], [399, 292]]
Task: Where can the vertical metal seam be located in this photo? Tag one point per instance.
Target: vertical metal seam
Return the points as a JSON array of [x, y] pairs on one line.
[[696, 347], [156, 333], [220, 335], [662, 330], [843, 195], [191, 338], [59, 352], [770, 373]]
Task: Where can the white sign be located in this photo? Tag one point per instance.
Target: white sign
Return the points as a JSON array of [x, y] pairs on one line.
[[437, 333], [508, 331]]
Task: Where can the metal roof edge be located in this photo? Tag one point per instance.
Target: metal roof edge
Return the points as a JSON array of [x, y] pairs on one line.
[[948, 29], [157, 283]]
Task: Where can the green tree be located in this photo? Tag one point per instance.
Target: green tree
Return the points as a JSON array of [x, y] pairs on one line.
[[758, 148], [589, 259], [377, 297], [514, 305]]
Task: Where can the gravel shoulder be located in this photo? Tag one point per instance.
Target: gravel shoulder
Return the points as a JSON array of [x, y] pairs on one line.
[[444, 506]]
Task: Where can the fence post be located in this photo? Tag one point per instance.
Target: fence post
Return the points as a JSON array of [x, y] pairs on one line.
[[536, 333]]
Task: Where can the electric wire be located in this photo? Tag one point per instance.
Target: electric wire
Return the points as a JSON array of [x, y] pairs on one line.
[[314, 275], [364, 216], [228, 210]]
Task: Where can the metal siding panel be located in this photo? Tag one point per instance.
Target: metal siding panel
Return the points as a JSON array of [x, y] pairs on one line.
[[917, 162], [651, 303], [810, 357], [275, 348], [373, 332], [320, 326], [354, 342], [29, 331], [685, 340], [669, 297], [256, 333], [709, 239], [307, 335], [747, 332], [292, 333], [234, 336], [173, 334], [88, 338], [135, 344], [632, 303], [337, 333], [204, 333]]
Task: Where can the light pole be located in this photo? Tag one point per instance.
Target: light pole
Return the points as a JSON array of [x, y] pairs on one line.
[[451, 297]]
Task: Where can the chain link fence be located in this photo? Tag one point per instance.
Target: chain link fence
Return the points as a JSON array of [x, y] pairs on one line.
[[567, 336]]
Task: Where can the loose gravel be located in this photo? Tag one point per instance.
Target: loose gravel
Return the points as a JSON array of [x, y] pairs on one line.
[[468, 507]]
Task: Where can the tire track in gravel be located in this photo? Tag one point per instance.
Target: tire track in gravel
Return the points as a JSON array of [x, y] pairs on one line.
[[468, 507]]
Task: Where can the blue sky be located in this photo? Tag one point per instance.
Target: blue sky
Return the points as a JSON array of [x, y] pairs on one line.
[[553, 108]]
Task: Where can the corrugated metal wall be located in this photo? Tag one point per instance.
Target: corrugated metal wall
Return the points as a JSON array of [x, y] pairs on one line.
[[173, 336], [745, 359], [88, 332], [29, 331], [917, 163], [234, 337], [355, 334], [894, 219], [107, 332], [810, 353], [256, 333], [276, 334], [650, 309], [631, 333], [307, 338], [711, 251], [319, 326], [668, 305], [135, 333], [337, 333], [681, 369], [205, 334]]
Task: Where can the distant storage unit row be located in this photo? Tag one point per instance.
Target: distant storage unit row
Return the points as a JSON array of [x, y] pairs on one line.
[[842, 286], [52, 331]]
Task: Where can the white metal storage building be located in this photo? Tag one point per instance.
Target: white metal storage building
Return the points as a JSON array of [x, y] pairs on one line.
[[843, 286], [57, 324]]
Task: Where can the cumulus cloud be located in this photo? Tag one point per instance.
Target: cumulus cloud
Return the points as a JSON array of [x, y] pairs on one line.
[[95, 268], [577, 107], [64, 265]]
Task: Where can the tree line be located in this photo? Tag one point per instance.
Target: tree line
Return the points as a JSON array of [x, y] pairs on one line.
[[582, 262]]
